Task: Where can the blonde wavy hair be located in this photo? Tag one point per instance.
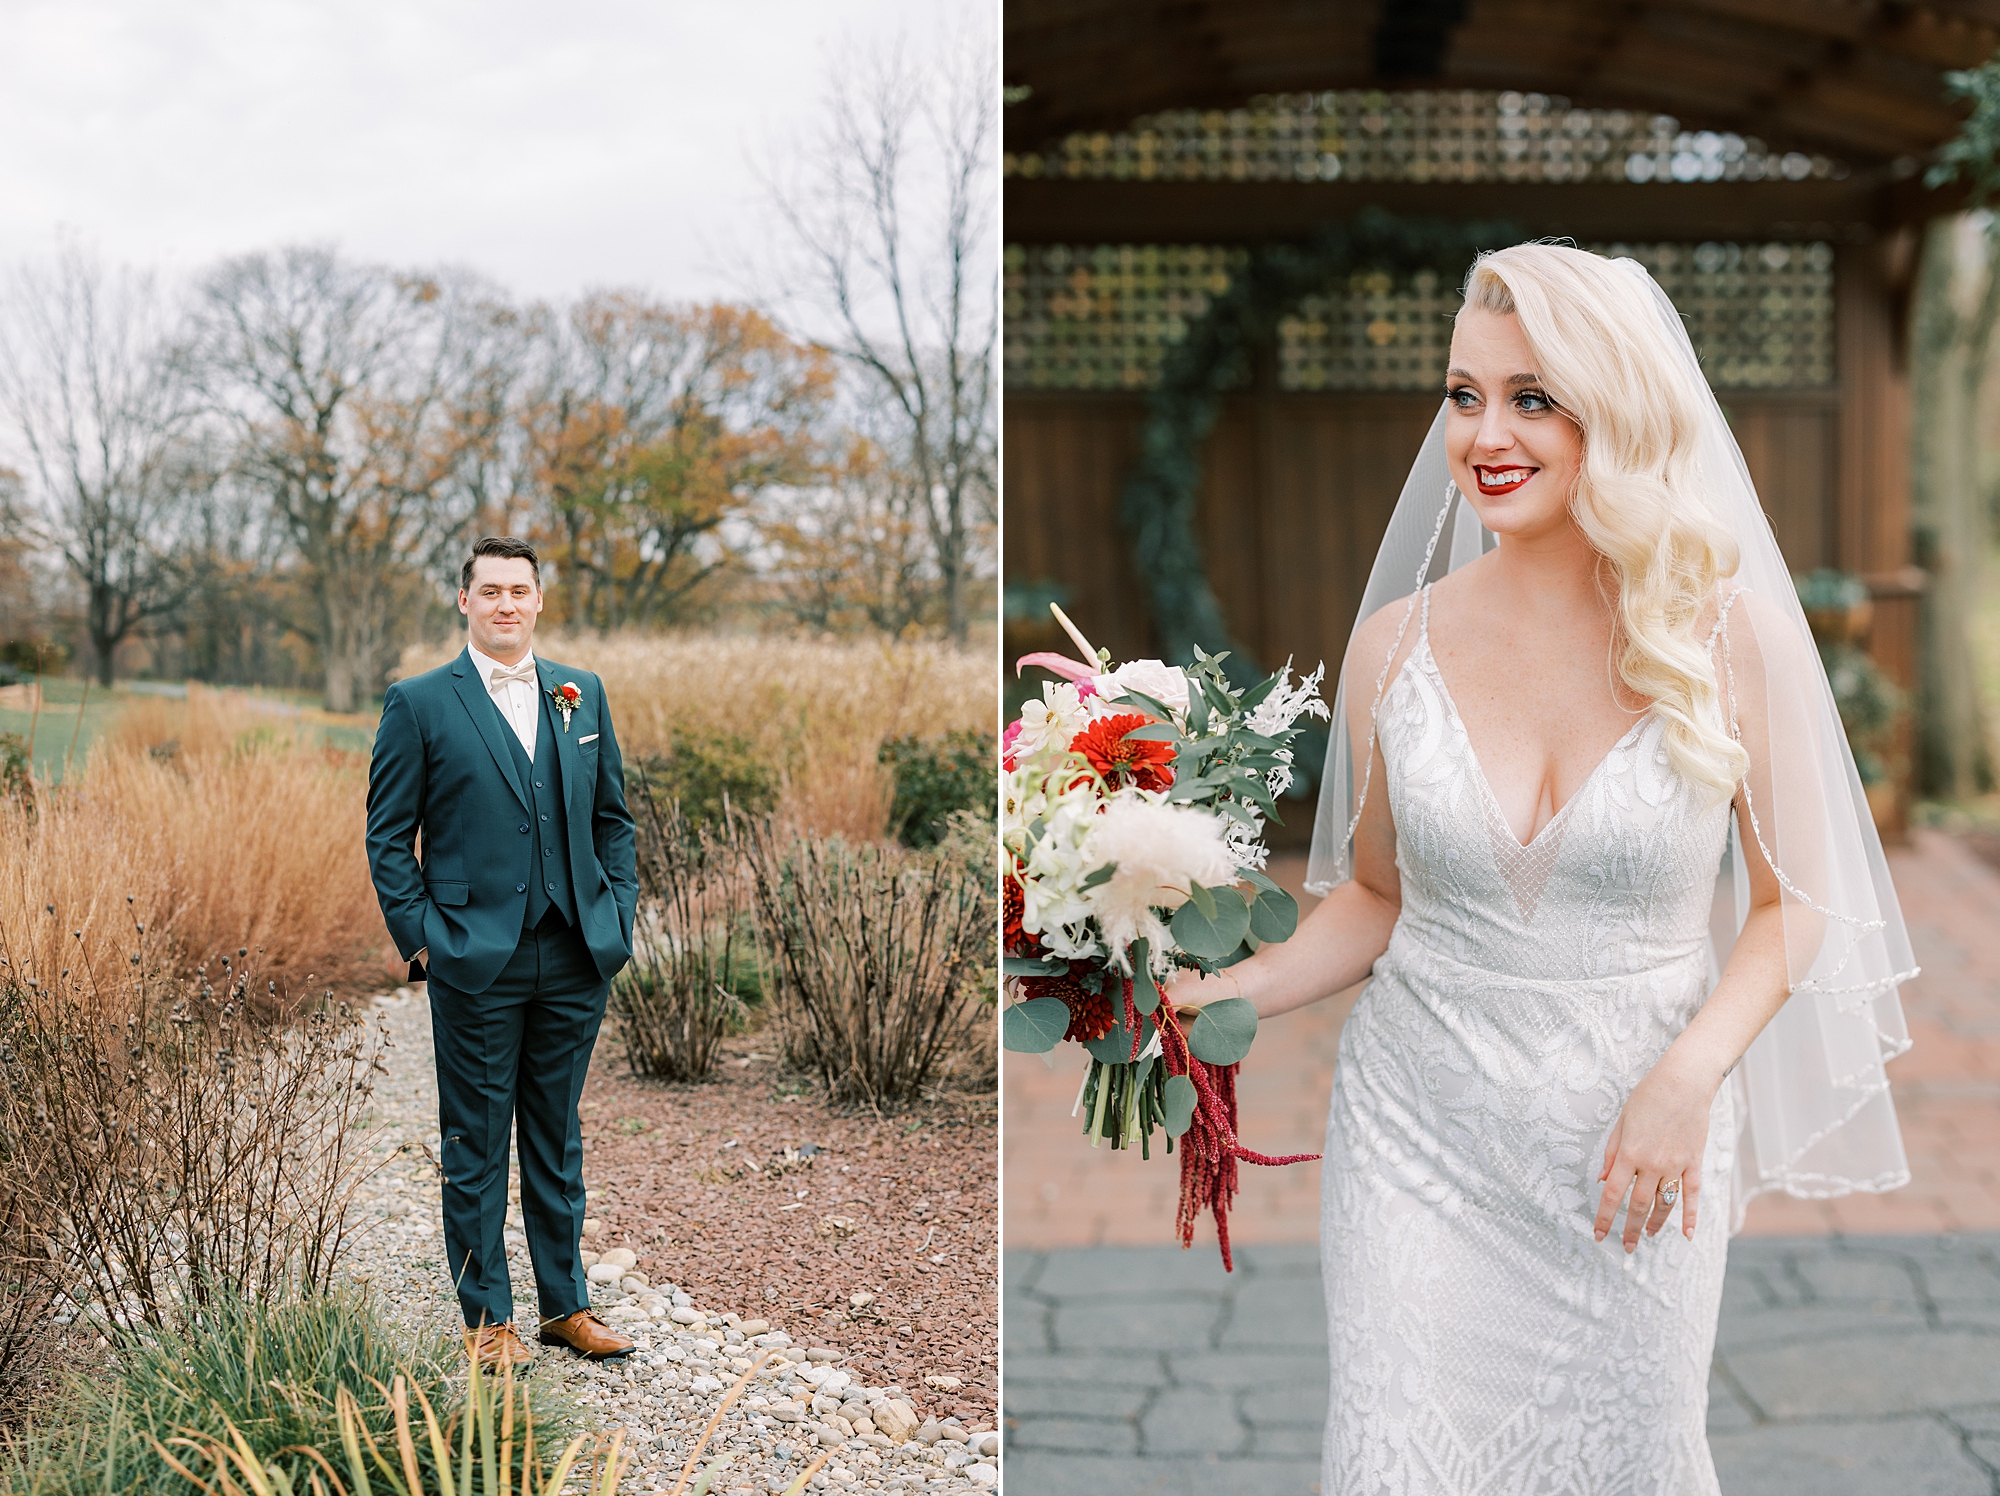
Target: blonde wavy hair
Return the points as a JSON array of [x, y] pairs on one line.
[[1609, 364]]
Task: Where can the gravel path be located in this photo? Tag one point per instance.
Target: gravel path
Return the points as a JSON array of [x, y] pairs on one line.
[[689, 1352]]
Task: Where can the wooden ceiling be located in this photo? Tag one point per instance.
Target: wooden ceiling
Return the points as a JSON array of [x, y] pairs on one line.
[[1857, 79]]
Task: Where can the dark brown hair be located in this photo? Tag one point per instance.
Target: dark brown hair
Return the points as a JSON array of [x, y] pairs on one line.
[[499, 545]]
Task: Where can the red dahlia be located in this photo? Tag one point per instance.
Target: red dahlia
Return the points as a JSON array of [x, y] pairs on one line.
[[1013, 939], [1122, 761], [1090, 1013]]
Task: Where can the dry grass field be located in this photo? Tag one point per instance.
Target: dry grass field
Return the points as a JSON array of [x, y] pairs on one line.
[[219, 824], [816, 710], [212, 825]]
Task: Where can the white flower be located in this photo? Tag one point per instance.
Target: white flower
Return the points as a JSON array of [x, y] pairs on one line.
[[1054, 903], [1286, 703], [1157, 850], [1166, 684], [1051, 722]]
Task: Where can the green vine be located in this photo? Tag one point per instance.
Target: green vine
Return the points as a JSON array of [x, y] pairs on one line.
[[1158, 507]]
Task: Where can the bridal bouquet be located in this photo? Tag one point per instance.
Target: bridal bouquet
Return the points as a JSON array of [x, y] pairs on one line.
[[1133, 803]]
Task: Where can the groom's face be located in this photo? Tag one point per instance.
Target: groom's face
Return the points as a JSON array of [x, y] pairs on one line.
[[501, 607]]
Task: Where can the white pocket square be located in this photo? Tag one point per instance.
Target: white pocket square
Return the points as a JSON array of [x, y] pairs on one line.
[[591, 739]]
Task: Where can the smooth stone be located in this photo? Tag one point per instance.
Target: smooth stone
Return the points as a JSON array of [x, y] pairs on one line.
[[623, 1257], [602, 1272], [983, 1473], [635, 1282], [680, 1314], [821, 1353]]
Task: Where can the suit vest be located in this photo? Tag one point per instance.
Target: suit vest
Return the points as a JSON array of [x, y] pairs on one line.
[[547, 874]]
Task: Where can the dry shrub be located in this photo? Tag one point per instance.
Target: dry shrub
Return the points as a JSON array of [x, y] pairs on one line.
[[214, 827], [818, 709], [164, 1142], [692, 947], [884, 956]]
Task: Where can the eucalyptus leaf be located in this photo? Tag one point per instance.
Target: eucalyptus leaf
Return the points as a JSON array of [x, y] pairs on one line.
[[1115, 1048], [1103, 875], [1215, 932], [1154, 732], [1274, 915], [1222, 1032], [1145, 991], [1203, 899], [1033, 966], [1035, 1026], [1178, 1103]]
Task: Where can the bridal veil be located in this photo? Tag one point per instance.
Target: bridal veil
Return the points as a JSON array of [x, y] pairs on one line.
[[1811, 1094]]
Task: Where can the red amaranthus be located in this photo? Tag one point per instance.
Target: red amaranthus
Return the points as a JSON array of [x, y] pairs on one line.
[[1122, 761], [1209, 1148]]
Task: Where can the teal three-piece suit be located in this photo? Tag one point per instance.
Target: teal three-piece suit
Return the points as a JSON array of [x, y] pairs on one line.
[[522, 889]]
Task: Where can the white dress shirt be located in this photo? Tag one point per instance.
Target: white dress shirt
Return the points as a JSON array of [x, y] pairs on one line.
[[518, 701]]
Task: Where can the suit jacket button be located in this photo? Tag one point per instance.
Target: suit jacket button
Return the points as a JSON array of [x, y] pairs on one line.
[[552, 888], [524, 828], [520, 888]]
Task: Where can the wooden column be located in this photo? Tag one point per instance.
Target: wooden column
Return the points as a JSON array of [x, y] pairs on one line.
[[1872, 482]]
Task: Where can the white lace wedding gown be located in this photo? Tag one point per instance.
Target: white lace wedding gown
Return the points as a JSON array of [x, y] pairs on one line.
[[1482, 1340]]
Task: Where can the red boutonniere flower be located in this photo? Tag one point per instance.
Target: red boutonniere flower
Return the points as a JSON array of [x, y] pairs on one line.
[[1122, 761], [566, 699]]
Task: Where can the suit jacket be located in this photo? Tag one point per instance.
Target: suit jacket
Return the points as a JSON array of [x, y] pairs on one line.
[[441, 766]]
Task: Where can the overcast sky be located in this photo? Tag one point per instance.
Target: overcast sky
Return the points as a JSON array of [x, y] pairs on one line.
[[551, 144]]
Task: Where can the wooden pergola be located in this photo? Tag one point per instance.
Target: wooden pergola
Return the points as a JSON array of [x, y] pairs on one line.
[[1297, 484]]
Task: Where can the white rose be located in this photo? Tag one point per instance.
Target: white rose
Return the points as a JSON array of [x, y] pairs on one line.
[[1166, 684]]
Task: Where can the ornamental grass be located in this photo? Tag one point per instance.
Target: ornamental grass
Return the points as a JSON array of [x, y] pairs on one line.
[[817, 711], [268, 1394], [214, 826]]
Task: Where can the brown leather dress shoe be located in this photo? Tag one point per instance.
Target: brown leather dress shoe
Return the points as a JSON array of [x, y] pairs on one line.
[[586, 1334], [497, 1346]]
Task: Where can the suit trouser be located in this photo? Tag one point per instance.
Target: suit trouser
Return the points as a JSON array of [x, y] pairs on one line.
[[513, 1058]]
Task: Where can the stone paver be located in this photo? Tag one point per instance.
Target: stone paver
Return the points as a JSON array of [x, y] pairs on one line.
[[1060, 1193], [1844, 1366]]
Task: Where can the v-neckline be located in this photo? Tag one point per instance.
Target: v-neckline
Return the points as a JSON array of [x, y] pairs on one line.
[[1479, 769]]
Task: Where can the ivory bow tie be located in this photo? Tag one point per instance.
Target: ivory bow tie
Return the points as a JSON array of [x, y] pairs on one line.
[[523, 672]]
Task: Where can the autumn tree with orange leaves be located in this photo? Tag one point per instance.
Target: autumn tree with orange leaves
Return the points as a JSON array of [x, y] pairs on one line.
[[648, 428]]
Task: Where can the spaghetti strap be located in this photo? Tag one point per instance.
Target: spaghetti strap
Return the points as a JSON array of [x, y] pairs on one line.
[[1424, 618]]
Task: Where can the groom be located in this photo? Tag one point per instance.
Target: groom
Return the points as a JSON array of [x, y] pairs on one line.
[[521, 892]]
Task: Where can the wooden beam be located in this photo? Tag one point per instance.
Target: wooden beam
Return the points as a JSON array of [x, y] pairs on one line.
[[1860, 78], [1206, 212]]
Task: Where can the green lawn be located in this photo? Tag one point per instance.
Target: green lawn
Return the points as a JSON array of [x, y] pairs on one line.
[[62, 699]]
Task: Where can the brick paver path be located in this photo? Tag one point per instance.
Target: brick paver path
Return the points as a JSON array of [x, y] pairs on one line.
[[1060, 1193]]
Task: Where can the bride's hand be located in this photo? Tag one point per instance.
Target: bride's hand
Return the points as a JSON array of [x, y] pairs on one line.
[[1658, 1137], [1194, 989]]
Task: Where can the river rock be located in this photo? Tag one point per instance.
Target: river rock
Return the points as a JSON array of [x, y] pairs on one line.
[[623, 1257], [896, 1418]]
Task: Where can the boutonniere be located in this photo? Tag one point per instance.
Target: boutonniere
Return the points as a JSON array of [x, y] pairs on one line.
[[566, 699]]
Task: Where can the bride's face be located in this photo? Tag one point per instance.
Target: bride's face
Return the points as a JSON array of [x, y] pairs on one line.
[[1513, 454]]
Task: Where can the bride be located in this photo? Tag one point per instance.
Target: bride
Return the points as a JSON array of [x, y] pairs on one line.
[[1596, 838]]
